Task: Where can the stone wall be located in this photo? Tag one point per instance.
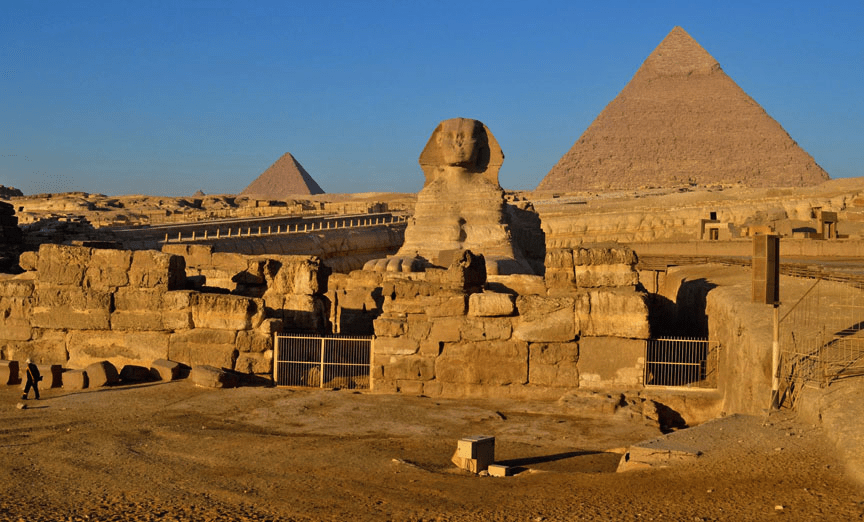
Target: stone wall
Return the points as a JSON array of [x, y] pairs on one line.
[[291, 287], [453, 333], [74, 306]]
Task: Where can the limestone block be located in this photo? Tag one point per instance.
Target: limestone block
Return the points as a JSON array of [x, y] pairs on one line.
[[489, 363], [203, 346], [409, 387], [545, 319], [430, 348], [178, 300], [270, 327], [517, 284], [388, 326], [165, 370], [62, 264], [418, 327], [72, 308], [414, 367], [382, 386], [210, 377], [258, 363], [611, 361], [15, 318], [466, 271], [253, 341], [355, 299], [395, 346], [152, 269], [615, 312], [216, 279], [140, 320], [228, 312], [126, 299], [253, 275], [133, 373], [433, 306], [177, 310], [73, 297], [446, 330], [28, 261], [594, 276], [490, 304], [45, 346], [413, 288], [108, 269], [487, 329], [553, 364], [102, 373], [120, 347], [298, 312], [228, 262], [499, 470], [559, 259], [294, 275], [9, 372], [52, 375], [196, 256], [75, 380], [583, 256], [475, 454], [16, 288]]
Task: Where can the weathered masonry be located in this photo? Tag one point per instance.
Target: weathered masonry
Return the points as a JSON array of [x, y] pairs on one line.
[[75, 305]]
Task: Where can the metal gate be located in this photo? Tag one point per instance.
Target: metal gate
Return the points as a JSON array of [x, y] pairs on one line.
[[690, 363], [323, 361]]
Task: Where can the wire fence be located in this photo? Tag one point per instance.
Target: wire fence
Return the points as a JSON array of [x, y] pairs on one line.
[[821, 338]]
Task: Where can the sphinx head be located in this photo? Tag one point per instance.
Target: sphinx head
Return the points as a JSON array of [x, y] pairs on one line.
[[460, 142], [462, 145]]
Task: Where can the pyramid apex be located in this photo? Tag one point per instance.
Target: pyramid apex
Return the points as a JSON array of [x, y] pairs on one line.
[[678, 55]]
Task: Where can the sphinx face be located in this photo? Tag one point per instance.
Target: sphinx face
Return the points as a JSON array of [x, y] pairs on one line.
[[458, 142]]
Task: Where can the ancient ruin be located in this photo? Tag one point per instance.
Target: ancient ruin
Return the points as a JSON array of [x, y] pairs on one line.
[[682, 121], [461, 206], [282, 180]]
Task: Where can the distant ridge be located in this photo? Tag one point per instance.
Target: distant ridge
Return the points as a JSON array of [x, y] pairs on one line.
[[284, 179], [681, 120]]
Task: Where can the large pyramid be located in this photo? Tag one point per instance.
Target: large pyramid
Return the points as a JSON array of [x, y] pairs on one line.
[[284, 179], [682, 120]]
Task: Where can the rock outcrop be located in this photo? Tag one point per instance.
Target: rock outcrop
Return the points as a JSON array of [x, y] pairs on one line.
[[680, 121]]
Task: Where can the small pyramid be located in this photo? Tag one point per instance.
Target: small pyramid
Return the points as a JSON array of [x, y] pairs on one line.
[[284, 179], [681, 120]]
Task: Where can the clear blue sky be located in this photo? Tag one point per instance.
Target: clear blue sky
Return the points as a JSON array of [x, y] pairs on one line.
[[148, 98]]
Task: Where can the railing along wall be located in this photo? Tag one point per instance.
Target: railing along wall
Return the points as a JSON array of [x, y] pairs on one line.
[[293, 228]]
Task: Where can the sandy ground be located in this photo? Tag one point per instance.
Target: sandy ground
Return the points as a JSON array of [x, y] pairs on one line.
[[173, 451]]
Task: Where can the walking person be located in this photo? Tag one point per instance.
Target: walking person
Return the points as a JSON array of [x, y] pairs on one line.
[[33, 379]]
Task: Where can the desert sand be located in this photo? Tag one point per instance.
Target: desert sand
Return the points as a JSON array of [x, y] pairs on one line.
[[173, 451]]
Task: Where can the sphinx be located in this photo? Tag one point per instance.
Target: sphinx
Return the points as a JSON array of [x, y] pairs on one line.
[[461, 206]]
